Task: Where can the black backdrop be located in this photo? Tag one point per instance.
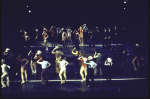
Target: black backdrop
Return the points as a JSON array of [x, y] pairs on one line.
[[63, 13]]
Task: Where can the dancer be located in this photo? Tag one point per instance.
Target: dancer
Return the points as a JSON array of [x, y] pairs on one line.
[[77, 40], [138, 56], [63, 64], [58, 57], [27, 38], [83, 68], [45, 64], [104, 42], [45, 36], [69, 31], [91, 39], [90, 71], [64, 38], [109, 38], [24, 62], [32, 62], [81, 35], [4, 73], [76, 63], [37, 57], [85, 29], [98, 57], [37, 42], [108, 66], [52, 36]]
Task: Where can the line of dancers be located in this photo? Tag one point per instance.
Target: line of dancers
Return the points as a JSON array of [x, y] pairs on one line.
[[87, 68], [69, 37]]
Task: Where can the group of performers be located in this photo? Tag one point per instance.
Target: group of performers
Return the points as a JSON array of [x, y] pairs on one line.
[[88, 68], [68, 37]]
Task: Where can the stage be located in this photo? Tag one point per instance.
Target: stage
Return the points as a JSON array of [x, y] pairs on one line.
[[125, 83]]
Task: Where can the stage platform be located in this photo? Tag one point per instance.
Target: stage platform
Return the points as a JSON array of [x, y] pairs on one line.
[[125, 83]]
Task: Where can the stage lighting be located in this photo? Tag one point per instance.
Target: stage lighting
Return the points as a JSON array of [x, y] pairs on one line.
[[27, 6], [124, 8], [124, 2], [29, 11]]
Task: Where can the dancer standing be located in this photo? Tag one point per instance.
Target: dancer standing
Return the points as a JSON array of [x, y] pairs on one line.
[[83, 68], [63, 64], [45, 36], [81, 35], [24, 62], [90, 71], [64, 38], [27, 38], [138, 56], [45, 64], [69, 31], [77, 40], [98, 56], [58, 57], [37, 57], [75, 64], [4, 73], [108, 66], [32, 62], [52, 36]]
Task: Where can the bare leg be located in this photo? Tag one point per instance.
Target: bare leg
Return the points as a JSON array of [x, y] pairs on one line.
[[134, 63], [31, 65], [65, 76], [7, 78], [22, 77], [81, 73], [2, 80], [60, 73], [25, 71], [85, 71]]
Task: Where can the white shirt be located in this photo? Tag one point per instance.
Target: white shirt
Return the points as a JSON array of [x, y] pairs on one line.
[[92, 64], [4, 68], [44, 64], [62, 64]]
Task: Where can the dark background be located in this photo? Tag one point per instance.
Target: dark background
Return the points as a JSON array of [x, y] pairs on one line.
[[63, 13]]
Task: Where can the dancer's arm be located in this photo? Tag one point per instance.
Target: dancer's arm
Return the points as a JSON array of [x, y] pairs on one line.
[[54, 50], [19, 59], [27, 61]]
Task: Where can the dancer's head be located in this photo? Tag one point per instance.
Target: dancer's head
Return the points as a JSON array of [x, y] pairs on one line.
[[90, 58], [109, 59], [2, 61]]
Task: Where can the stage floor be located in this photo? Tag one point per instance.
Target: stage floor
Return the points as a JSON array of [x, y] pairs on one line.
[[125, 83]]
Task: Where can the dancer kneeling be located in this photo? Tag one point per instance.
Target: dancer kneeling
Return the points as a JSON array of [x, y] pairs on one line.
[[83, 67], [63, 64]]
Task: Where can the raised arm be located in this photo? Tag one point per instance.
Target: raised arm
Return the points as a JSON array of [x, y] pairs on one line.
[[39, 61], [27, 61], [19, 59], [54, 50], [73, 52]]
